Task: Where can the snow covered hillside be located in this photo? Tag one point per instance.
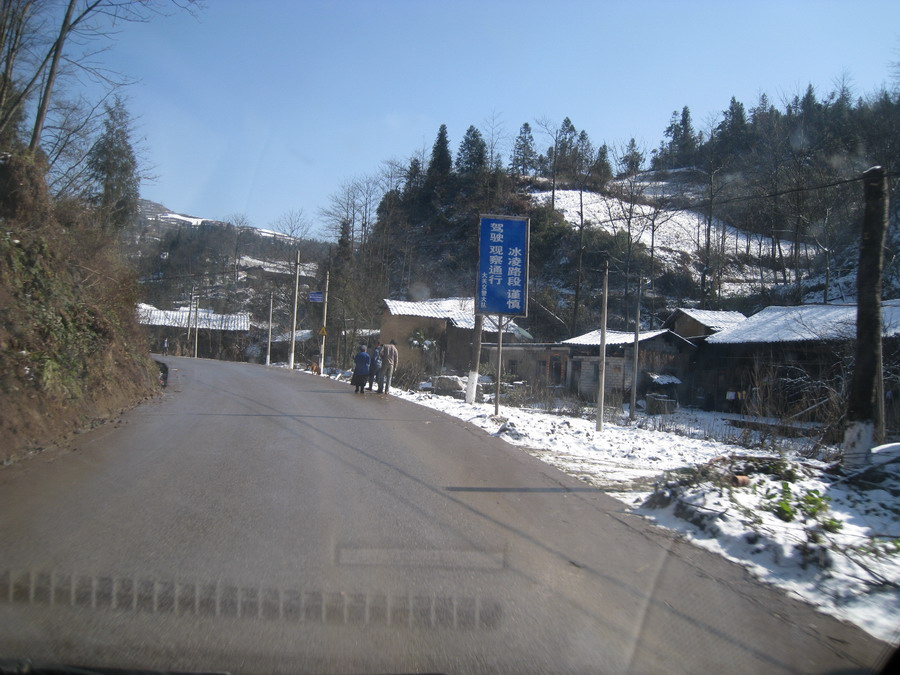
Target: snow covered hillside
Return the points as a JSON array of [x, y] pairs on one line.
[[674, 235]]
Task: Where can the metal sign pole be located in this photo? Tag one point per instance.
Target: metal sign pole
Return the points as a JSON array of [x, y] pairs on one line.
[[499, 362], [269, 344]]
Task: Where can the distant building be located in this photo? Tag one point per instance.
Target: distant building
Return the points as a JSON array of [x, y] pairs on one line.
[[220, 336], [699, 323], [439, 332], [789, 361], [663, 359]]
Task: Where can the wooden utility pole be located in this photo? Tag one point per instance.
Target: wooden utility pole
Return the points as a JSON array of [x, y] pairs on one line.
[[865, 410], [601, 375]]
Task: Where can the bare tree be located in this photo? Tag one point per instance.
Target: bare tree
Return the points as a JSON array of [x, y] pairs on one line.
[[33, 55], [293, 223]]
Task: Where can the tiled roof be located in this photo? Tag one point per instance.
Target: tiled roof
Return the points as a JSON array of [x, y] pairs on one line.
[[183, 318], [713, 319], [613, 337], [805, 323], [459, 311]]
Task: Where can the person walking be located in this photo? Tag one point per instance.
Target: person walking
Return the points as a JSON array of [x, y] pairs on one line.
[[360, 370], [165, 346], [389, 359], [375, 366]]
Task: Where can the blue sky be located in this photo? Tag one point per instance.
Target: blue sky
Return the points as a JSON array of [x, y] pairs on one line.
[[263, 107]]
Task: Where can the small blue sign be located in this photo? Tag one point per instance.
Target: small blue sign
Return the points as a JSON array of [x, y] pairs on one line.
[[316, 296], [502, 286]]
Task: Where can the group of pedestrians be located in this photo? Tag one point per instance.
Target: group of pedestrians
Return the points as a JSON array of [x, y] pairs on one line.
[[374, 366]]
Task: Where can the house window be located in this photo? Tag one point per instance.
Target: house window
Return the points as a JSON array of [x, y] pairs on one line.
[[512, 366]]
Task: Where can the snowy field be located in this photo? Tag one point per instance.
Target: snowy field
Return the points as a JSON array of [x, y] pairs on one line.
[[831, 540]]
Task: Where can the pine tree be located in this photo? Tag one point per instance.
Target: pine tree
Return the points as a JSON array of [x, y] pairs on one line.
[[471, 160], [632, 160], [524, 157], [113, 170], [441, 164]]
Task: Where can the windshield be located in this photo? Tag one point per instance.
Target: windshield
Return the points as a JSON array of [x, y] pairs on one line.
[[461, 337]]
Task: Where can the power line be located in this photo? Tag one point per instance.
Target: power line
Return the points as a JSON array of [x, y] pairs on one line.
[[782, 193]]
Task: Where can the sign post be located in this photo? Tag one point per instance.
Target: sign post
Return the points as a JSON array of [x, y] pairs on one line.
[[502, 284]]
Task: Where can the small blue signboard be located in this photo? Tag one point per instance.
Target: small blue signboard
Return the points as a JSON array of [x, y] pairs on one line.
[[316, 296], [502, 286]]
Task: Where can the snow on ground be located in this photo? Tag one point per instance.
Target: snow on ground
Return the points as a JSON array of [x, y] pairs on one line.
[[831, 540], [676, 232]]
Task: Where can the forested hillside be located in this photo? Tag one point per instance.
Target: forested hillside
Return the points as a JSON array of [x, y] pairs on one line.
[[765, 203], [71, 351]]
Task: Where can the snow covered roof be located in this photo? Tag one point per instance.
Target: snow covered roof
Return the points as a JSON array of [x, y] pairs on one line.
[[299, 336], [663, 379], [805, 323], [613, 337], [149, 315], [458, 311], [712, 319]]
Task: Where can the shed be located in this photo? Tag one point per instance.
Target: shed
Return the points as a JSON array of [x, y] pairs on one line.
[[660, 353]]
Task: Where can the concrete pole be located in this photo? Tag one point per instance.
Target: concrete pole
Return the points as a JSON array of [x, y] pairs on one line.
[[269, 344], [601, 384], [632, 413], [294, 318]]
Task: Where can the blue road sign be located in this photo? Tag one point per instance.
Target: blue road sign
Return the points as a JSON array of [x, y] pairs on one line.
[[502, 286], [316, 296]]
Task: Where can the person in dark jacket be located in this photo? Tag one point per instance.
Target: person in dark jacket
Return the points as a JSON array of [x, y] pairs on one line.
[[360, 370], [375, 366]]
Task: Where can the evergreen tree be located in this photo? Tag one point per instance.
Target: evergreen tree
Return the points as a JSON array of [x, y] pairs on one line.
[[602, 172], [113, 170], [441, 164], [524, 156], [632, 160], [471, 160]]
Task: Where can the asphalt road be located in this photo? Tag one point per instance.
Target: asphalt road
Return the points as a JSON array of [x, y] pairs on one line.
[[255, 520]]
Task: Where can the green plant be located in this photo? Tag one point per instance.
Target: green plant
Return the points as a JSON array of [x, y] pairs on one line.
[[782, 505], [832, 525], [813, 504]]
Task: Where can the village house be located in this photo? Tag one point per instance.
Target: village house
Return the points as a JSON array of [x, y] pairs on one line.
[[439, 333], [693, 324], [790, 361], [663, 360], [217, 336]]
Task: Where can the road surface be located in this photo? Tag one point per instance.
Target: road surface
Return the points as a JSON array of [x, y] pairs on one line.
[[255, 520]]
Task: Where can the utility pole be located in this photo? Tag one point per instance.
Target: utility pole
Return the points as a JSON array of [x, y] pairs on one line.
[[269, 344], [294, 318], [322, 332], [197, 325], [632, 413], [865, 410], [601, 375], [474, 360], [190, 315]]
